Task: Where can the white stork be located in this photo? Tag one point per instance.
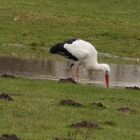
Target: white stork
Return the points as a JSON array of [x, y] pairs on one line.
[[81, 53]]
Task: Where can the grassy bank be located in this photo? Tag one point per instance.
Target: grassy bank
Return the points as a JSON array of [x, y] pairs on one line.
[[29, 28], [35, 112]]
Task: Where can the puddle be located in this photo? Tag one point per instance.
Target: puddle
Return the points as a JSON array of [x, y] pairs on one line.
[[121, 75]]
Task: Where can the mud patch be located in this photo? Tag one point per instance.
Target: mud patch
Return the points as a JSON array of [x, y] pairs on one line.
[[67, 80], [70, 103], [125, 110], [85, 124], [9, 137], [135, 88], [98, 105], [8, 75], [5, 96]]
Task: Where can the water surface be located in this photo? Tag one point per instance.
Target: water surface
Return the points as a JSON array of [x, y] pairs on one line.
[[120, 76]]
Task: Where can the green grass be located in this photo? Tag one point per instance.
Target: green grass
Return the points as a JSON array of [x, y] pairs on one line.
[[35, 113], [27, 28]]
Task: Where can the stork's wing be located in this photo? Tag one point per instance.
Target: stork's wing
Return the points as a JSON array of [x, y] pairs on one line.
[[79, 53]]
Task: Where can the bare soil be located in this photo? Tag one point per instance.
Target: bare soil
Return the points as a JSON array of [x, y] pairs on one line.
[[5, 96], [85, 124], [9, 137], [70, 103], [124, 109]]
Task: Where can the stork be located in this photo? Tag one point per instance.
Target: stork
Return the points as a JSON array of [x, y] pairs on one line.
[[81, 53]]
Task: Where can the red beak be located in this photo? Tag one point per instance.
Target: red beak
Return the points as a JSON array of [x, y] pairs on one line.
[[107, 79]]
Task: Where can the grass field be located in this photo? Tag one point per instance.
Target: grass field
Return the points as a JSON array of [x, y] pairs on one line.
[[35, 112], [29, 28]]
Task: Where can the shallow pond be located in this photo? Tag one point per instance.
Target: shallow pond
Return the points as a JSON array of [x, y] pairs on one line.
[[121, 75]]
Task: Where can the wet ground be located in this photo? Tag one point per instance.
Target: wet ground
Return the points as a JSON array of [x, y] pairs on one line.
[[120, 76]]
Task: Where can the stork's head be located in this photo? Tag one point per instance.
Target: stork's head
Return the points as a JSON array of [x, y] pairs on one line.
[[105, 68], [102, 67]]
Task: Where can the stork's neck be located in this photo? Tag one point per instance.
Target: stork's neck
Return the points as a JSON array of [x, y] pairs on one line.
[[99, 67]]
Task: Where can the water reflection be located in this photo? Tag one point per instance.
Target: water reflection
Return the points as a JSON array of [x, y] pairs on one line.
[[121, 75]]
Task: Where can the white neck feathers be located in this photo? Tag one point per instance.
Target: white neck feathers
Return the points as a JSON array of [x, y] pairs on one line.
[[99, 67]]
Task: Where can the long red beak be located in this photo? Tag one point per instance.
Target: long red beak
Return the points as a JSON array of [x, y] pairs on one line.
[[107, 79]]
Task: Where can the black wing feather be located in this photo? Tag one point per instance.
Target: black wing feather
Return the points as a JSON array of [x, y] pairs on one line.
[[59, 49]]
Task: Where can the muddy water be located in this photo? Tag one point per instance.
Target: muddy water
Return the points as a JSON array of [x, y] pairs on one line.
[[121, 75]]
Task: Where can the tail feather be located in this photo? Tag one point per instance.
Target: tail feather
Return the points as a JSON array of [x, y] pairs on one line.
[[59, 49], [56, 49]]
